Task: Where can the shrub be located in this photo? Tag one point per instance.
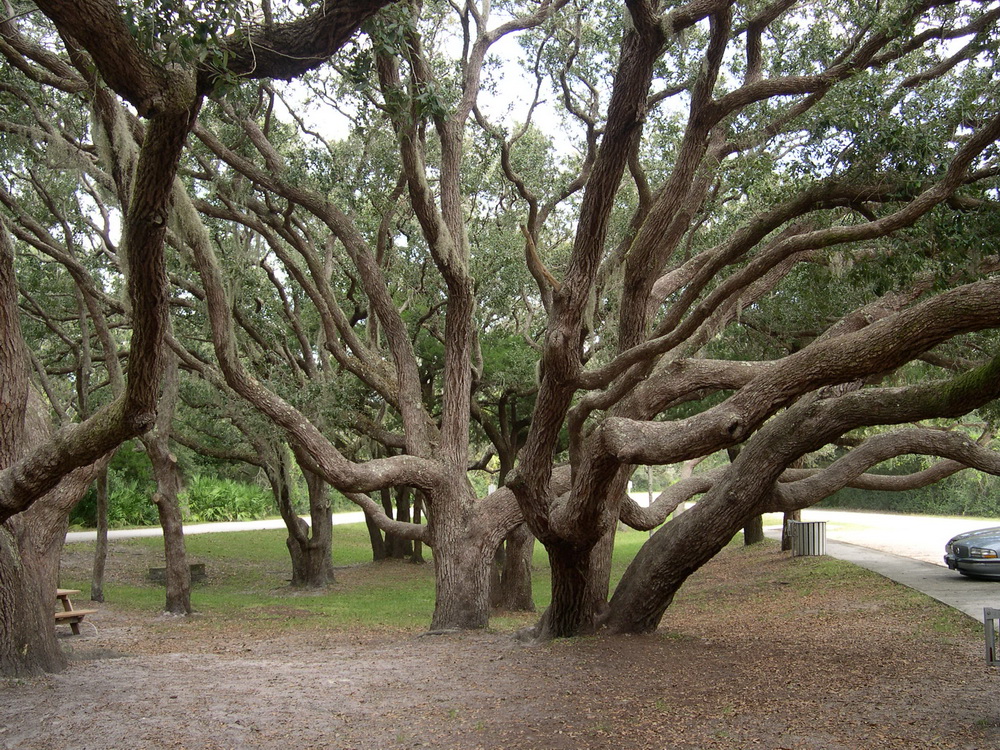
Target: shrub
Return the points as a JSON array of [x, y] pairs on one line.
[[212, 499], [130, 503]]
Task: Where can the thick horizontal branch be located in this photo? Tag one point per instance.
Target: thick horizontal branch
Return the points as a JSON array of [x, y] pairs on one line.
[[961, 450], [882, 346], [413, 531], [888, 482], [288, 50], [644, 519]]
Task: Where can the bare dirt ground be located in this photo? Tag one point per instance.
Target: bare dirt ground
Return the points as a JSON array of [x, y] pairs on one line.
[[758, 651]]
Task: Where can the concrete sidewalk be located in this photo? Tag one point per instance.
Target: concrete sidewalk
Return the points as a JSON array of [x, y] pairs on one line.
[[967, 595], [908, 549]]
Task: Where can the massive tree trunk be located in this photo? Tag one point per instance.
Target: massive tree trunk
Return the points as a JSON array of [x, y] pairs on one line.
[[462, 576], [27, 634], [679, 548], [463, 561], [27, 596], [581, 561], [30, 546], [572, 612]]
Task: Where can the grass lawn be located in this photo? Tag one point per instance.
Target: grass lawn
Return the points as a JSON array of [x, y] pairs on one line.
[[248, 573]]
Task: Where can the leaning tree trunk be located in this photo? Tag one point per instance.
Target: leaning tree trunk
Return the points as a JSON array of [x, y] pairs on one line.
[[661, 566], [686, 543]]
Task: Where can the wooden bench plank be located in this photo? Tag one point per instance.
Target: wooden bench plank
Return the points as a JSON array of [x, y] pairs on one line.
[[77, 613], [66, 592], [73, 617]]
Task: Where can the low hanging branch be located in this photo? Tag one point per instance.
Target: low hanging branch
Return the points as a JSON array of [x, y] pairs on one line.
[[960, 449]]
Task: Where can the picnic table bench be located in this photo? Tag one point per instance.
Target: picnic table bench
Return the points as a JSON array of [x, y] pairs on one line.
[[68, 614]]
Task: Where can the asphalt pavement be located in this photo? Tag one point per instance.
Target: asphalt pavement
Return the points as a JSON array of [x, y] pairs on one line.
[[207, 528]]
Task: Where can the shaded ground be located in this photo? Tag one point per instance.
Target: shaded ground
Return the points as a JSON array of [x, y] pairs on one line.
[[759, 650]]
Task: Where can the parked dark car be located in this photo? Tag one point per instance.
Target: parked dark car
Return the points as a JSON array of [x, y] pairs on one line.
[[975, 553]]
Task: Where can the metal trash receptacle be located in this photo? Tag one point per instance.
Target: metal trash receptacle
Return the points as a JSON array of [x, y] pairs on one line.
[[808, 537]]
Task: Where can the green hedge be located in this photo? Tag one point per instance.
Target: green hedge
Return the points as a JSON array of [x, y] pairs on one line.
[[204, 499]]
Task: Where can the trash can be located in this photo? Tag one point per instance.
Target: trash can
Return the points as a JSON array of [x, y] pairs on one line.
[[808, 537]]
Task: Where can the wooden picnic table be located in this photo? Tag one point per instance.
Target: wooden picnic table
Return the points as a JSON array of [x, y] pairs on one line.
[[68, 614]]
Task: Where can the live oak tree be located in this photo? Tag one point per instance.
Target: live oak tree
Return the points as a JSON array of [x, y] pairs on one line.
[[166, 88], [701, 250], [764, 157]]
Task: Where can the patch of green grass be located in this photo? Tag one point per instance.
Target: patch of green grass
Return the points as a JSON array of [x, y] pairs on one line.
[[248, 575], [951, 623]]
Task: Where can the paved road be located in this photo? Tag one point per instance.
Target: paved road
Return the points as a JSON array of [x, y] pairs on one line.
[[910, 551], [207, 528], [906, 549]]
